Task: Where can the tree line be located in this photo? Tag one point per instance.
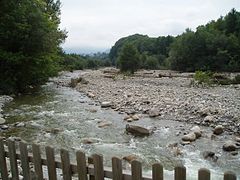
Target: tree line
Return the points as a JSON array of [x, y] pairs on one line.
[[212, 47]]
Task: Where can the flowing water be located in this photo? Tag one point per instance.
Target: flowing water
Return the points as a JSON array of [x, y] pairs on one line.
[[64, 118]]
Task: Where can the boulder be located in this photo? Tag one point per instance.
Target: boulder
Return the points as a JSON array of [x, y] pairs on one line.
[[106, 104], [75, 81], [153, 112], [102, 124], [229, 146], [2, 120], [137, 130], [130, 158], [197, 131], [218, 130], [189, 137]]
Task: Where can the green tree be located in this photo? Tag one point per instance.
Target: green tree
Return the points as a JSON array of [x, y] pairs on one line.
[[129, 59], [30, 41]]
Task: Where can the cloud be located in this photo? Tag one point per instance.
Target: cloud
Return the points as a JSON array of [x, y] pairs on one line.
[[98, 24]]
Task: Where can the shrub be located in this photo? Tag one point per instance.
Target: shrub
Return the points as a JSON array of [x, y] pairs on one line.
[[203, 77]]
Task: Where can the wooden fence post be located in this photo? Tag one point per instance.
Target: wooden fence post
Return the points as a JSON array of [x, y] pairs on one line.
[[203, 174], [24, 160], [180, 173], [136, 167], [66, 168], [37, 161], [3, 166], [117, 168], [13, 159], [229, 176], [51, 165], [81, 165], [157, 171], [98, 167]]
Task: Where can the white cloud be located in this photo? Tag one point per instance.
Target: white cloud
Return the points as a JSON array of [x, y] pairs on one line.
[[98, 24]]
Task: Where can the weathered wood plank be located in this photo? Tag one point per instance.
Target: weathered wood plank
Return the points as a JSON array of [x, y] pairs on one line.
[[229, 176], [37, 161], [180, 173], [204, 174], [24, 160], [136, 167], [13, 159], [157, 171], [98, 167], [81, 165], [117, 168], [51, 165], [3, 166], [66, 168]]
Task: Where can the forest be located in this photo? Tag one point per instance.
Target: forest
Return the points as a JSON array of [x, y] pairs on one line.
[[212, 47]]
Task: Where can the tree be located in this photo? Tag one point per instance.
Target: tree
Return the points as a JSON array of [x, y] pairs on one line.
[[30, 41], [129, 59]]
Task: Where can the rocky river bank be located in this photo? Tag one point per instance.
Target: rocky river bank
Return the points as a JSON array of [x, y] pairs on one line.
[[156, 94]]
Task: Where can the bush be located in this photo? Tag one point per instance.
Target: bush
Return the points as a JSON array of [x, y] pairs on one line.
[[203, 77]]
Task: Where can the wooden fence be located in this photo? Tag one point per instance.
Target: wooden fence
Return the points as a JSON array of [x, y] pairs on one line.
[[93, 170]]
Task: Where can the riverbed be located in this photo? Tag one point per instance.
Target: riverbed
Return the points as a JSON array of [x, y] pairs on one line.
[[63, 117]]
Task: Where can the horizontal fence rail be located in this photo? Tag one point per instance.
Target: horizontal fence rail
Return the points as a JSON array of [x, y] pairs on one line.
[[86, 168]]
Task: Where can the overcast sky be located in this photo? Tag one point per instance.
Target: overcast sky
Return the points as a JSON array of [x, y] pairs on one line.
[[95, 25]]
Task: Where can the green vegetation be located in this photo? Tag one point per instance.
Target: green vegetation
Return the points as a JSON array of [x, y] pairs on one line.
[[78, 62], [128, 59], [213, 47], [152, 51], [209, 78], [29, 43]]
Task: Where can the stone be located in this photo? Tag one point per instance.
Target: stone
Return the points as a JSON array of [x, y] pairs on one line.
[[189, 137], [135, 117], [237, 139], [229, 146], [102, 124], [218, 130], [89, 141], [197, 131], [153, 112], [2, 120], [234, 153], [106, 104], [130, 158], [93, 110], [21, 124], [4, 127], [209, 119], [54, 130], [137, 130], [91, 95], [209, 155]]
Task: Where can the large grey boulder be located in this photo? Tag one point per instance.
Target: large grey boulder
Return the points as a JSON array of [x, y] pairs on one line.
[[137, 130]]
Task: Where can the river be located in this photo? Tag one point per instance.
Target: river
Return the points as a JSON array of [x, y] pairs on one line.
[[64, 118]]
